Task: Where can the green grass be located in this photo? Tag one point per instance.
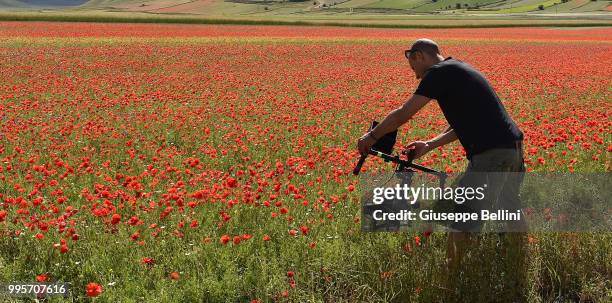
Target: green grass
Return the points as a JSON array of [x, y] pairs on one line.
[[346, 265]]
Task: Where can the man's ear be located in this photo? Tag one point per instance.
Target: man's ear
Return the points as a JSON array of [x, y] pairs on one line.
[[418, 56]]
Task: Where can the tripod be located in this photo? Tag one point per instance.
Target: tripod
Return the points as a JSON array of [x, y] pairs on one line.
[[404, 171]]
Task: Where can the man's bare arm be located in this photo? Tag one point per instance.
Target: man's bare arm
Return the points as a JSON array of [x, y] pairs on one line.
[[423, 147], [447, 136], [399, 116]]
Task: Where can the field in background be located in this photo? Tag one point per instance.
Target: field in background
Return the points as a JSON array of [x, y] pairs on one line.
[[405, 13], [381, 21], [275, 7], [172, 163]]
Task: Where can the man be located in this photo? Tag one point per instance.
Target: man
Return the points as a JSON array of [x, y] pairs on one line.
[[476, 116]]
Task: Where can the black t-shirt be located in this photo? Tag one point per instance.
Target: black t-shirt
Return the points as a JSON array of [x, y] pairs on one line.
[[470, 105]]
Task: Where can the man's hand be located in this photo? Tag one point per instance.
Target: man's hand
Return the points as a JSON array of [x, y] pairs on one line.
[[395, 119], [420, 148], [423, 147], [365, 143]]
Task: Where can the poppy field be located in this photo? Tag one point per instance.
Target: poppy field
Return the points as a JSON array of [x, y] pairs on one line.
[[212, 163]]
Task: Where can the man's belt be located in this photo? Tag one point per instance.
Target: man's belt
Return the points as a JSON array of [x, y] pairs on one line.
[[511, 145], [516, 145]]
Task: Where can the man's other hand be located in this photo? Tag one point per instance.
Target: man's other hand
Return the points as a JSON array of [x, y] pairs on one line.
[[365, 143], [420, 148]]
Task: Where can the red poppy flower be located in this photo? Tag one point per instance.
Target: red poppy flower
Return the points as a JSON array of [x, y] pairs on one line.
[[42, 278], [93, 289], [115, 219], [224, 239], [231, 182], [304, 229], [148, 260]]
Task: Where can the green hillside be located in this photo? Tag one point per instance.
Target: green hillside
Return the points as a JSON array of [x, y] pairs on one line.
[[426, 5], [590, 6], [339, 8], [496, 6]]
